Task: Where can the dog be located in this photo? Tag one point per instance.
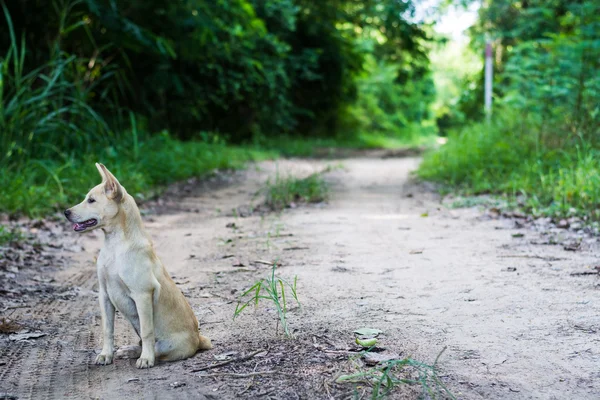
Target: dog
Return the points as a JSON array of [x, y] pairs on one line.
[[133, 280]]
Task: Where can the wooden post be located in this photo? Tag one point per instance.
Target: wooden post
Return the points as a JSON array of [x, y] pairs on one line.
[[489, 71]]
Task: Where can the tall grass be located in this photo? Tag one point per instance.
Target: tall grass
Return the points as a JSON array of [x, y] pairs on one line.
[[552, 172], [51, 137], [44, 110]]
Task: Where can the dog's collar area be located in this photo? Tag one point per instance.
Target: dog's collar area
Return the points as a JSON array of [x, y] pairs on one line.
[[82, 226]]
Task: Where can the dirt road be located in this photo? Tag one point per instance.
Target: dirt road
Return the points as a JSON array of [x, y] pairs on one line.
[[383, 253]]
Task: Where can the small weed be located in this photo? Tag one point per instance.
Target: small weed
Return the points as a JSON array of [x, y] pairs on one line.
[[271, 288], [282, 192], [391, 373], [9, 235]]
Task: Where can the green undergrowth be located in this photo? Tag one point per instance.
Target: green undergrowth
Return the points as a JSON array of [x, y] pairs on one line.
[[391, 374], [36, 187], [290, 146], [550, 174]]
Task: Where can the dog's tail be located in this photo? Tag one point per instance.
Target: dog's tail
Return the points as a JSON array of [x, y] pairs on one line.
[[204, 343]]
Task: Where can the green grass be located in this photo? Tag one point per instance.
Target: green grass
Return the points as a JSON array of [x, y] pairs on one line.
[[549, 174], [283, 191], [37, 187], [390, 374], [271, 288], [330, 147], [8, 235]]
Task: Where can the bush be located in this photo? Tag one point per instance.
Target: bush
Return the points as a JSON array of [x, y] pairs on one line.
[[509, 156]]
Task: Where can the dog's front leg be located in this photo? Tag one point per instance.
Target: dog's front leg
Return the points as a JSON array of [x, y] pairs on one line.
[[108, 329], [144, 305]]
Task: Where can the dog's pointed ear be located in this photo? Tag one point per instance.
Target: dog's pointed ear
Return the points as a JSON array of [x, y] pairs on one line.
[[101, 168], [112, 187]]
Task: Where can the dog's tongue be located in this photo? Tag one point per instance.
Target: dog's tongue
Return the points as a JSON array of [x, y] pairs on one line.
[[77, 226]]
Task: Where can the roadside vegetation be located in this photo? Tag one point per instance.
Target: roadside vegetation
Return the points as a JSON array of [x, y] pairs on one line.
[[541, 147], [161, 91]]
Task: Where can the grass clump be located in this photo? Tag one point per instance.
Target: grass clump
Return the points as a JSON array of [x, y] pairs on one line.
[[283, 191], [550, 173], [8, 235], [271, 288], [389, 374]]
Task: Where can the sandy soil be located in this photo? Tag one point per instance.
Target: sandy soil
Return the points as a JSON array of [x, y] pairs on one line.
[[520, 316]]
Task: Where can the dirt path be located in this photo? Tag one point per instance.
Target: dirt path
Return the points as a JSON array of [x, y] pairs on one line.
[[382, 254]]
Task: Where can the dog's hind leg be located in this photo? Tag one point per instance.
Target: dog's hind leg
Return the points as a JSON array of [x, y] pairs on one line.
[[177, 347]]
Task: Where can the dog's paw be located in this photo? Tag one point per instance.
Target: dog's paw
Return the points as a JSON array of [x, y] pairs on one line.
[[145, 362], [104, 359]]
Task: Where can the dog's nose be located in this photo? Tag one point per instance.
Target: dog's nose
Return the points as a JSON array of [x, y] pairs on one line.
[[67, 213]]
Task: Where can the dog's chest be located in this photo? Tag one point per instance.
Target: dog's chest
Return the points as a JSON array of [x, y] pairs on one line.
[[118, 292]]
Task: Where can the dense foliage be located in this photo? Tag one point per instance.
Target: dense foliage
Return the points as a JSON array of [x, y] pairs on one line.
[[89, 80], [240, 67], [543, 142], [546, 61]]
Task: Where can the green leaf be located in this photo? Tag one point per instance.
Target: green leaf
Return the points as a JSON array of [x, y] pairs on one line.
[[368, 332]]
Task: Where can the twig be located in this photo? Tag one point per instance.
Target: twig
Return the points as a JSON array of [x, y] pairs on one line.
[[247, 388], [248, 375], [264, 262], [221, 364], [14, 307], [550, 258], [326, 386], [438, 356], [295, 248]]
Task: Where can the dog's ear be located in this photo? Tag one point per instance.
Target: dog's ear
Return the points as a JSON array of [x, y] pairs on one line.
[[101, 169], [112, 187]]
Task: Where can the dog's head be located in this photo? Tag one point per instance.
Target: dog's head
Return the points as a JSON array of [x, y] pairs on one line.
[[100, 206]]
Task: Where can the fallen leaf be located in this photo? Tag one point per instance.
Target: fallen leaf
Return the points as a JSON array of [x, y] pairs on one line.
[[225, 356], [368, 332], [518, 235], [350, 378], [376, 358]]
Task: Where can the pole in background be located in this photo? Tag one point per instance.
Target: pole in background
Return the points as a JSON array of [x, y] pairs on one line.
[[489, 70]]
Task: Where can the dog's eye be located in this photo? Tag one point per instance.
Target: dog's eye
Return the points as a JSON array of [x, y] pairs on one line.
[[91, 200]]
